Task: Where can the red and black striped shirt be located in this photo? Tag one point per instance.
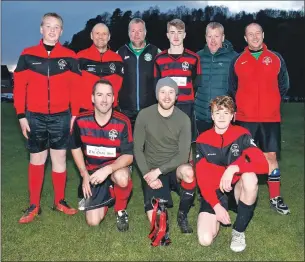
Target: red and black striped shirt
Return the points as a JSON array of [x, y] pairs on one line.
[[101, 145], [183, 69]]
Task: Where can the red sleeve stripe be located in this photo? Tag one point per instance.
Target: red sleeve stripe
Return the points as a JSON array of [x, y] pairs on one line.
[[168, 60], [126, 120], [82, 123]]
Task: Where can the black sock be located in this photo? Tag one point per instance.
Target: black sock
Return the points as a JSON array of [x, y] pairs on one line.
[[244, 215], [186, 199]]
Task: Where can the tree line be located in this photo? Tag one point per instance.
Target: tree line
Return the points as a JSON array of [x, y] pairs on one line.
[[284, 32]]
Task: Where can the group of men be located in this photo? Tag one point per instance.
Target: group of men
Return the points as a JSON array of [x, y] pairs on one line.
[[144, 107]]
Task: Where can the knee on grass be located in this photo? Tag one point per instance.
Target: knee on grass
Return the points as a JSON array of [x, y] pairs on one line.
[[206, 239]]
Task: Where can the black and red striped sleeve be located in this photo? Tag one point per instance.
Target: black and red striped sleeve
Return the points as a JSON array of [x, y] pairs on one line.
[[157, 72], [20, 83], [127, 139], [75, 138]]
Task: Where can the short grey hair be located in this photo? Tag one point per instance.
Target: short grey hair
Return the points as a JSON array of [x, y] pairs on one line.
[[215, 25], [136, 21], [254, 24]]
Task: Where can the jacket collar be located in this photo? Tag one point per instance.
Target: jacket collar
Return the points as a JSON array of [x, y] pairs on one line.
[[58, 44], [248, 50], [93, 49]]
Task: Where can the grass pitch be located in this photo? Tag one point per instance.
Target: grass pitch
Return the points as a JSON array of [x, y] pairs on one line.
[[56, 237]]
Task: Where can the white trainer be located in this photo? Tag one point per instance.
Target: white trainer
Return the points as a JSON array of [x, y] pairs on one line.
[[238, 242]]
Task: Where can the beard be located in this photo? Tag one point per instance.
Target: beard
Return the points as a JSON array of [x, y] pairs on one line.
[[166, 106]]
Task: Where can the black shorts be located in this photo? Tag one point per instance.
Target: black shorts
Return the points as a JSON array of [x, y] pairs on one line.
[[169, 182], [100, 196], [48, 131], [226, 199], [188, 108], [267, 135]]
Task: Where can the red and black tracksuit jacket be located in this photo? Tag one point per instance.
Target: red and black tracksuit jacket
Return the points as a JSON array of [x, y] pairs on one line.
[[95, 66], [101, 145], [257, 85], [215, 152], [185, 67], [46, 83]]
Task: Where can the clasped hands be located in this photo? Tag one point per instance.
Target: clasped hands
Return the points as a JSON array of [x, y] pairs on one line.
[[152, 178]]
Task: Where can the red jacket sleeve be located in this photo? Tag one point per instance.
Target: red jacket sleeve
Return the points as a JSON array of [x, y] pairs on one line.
[[208, 177], [75, 86], [20, 83], [257, 161]]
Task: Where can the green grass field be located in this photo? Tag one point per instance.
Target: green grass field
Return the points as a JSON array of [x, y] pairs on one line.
[[56, 237]]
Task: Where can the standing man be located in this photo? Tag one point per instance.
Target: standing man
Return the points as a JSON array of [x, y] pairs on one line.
[[97, 62], [138, 90], [258, 80], [182, 65], [104, 138], [46, 78], [161, 148], [226, 168], [215, 61]]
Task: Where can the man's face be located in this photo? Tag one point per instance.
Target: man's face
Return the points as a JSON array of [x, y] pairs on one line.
[[214, 38], [51, 30], [103, 98], [254, 37], [176, 36], [222, 117], [137, 34], [100, 36], [167, 97]]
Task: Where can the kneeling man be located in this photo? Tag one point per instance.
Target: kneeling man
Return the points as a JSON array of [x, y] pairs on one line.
[[226, 168], [162, 141], [102, 146]]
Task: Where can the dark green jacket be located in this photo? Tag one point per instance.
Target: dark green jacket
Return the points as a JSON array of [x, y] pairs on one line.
[[213, 80]]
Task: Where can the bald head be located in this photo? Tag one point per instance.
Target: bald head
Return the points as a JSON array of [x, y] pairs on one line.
[[100, 26], [254, 26], [100, 36], [254, 36]]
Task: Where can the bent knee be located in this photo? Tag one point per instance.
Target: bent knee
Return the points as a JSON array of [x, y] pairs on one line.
[[93, 222], [249, 180], [121, 177], [271, 156], [188, 174], [206, 239]]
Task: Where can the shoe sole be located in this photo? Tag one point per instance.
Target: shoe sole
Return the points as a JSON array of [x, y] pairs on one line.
[[238, 249]]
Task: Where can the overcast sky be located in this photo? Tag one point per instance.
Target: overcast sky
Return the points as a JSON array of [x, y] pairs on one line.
[[20, 20]]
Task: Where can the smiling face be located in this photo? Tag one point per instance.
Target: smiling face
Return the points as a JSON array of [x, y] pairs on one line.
[[222, 118], [254, 36], [166, 97], [103, 98], [214, 38], [51, 30], [100, 36]]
